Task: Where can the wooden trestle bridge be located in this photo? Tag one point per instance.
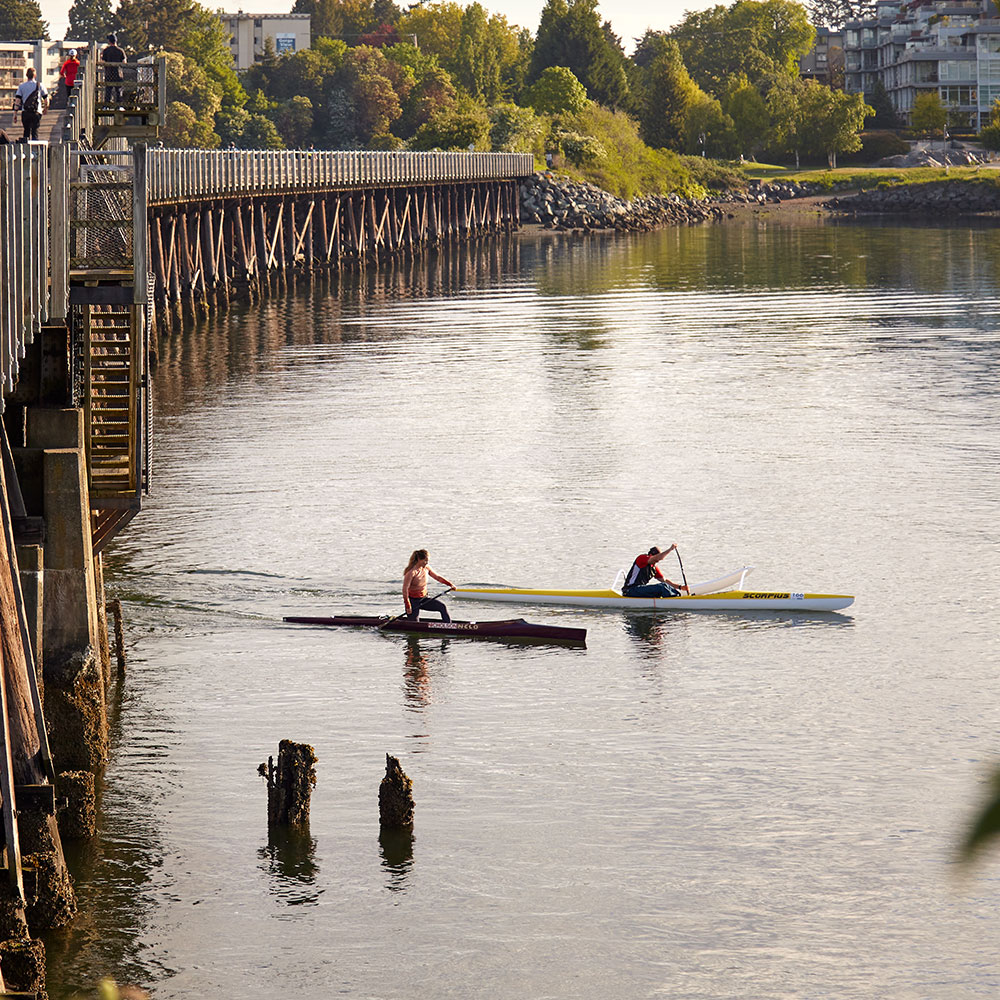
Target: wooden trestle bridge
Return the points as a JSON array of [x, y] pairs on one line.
[[102, 237]]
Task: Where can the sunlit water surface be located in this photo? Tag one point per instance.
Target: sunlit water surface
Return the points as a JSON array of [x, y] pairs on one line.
[[697, 806]]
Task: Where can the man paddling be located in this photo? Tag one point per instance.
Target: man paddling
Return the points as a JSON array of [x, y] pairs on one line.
[[643, 570]]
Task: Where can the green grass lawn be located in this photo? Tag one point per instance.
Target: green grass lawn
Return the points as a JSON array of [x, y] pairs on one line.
[[870, 177]]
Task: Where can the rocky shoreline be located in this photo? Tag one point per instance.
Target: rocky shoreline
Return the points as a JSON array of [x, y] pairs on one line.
[[556, 202], [935, 198]]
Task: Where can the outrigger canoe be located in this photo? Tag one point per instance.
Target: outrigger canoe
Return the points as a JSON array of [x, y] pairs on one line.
[[724, 594], [513, 628]]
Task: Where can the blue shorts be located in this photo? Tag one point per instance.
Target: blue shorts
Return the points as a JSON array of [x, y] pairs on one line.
[[652, 590]]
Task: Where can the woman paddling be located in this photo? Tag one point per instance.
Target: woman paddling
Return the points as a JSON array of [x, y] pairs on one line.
[[415, 587]]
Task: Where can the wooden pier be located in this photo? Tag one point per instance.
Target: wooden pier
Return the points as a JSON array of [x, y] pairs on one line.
[[226, 222], [101, 235]]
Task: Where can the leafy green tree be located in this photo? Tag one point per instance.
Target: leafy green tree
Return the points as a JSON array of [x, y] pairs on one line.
[[294, 121], [570, 34], [190, 85], [831, 121], [783, 101], [555, 91], [21, 20], [432, 88], [347, 20], [880, 101], [662, 91], [365, 98], [751, 38], [434, 28], [463, 125], [514, 129], [192, 31], [835, 13], [990, 135], [750, 119], [929, 115], [260, 133], [308, 73], [708, 129], [477, 68], [89, 19]]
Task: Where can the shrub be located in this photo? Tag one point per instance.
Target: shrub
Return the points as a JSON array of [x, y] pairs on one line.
[[714, 175], [629, 167], [876, 146]]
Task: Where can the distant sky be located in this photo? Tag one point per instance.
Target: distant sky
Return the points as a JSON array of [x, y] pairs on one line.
[[629, 18]]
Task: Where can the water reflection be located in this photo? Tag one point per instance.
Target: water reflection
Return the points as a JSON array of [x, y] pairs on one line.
[[396, 848], [289, 861], [416, 680], [647, 630]]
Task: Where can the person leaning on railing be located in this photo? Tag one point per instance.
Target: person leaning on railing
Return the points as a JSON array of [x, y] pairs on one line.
[[110, 56]]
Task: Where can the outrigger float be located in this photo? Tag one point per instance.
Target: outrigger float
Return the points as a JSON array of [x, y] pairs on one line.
[[513, 628], [723, 594]]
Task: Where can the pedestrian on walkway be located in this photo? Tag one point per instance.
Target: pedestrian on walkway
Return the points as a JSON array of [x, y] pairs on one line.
[[31, 100]]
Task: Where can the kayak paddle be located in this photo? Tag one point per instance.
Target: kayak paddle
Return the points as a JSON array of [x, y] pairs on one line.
[[683, 577]]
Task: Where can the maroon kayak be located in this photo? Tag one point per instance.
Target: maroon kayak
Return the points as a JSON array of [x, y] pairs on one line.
[[514, 628]]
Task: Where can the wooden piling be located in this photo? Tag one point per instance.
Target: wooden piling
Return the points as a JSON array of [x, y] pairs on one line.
[[395, 796], [290, 783]]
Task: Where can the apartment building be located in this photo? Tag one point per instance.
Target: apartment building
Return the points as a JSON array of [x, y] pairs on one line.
[[824, 62], [951, 47], [46, 57], [248, 35]]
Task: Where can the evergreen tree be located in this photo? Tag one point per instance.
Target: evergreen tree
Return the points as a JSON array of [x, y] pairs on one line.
[[89, 20], [570, 34], [21, 21], [662, 91], [885, 113]]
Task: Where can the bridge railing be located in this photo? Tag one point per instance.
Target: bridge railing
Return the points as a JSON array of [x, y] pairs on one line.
[[80, 105], [24, 252], [179, 175]]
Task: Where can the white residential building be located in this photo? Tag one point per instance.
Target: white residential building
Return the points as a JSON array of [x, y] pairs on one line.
[[46, 58], [248, 34]]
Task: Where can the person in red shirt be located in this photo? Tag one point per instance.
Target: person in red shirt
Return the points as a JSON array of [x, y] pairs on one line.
[[68, 72], [645, 569]]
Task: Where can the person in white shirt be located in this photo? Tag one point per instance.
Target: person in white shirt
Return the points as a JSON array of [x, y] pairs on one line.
[[31, 100]]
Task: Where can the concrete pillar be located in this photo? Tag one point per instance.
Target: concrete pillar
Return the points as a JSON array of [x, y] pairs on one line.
[[74, 679]]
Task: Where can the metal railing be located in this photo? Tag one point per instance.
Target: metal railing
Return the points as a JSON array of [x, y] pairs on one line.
[[24, 252], [179, 175]]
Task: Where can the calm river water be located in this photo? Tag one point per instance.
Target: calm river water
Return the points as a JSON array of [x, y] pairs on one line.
[[695, 806]]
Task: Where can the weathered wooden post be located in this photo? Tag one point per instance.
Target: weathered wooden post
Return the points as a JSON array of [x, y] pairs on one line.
[[289, 784], [395, 797]]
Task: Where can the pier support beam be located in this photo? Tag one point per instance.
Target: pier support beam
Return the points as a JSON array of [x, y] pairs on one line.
[[74, 675]]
